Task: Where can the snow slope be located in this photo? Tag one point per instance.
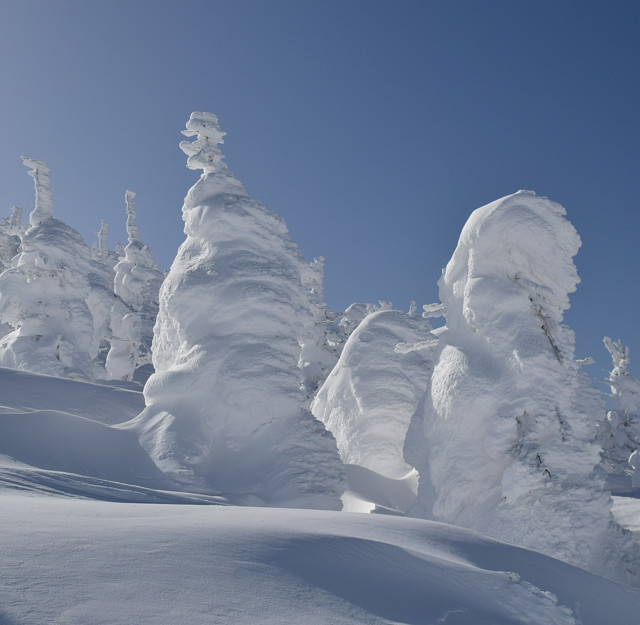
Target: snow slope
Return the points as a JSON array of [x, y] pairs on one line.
[[65, 561], [26, 392]]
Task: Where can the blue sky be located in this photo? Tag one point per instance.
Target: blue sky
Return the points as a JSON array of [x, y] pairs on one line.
[[373, 127]]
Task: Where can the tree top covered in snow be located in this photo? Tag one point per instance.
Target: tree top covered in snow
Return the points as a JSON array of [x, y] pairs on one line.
[[132, 228], [44, 196], [203, 153]]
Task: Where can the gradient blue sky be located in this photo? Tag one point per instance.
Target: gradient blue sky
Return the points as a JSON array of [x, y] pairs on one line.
[[373, 127]]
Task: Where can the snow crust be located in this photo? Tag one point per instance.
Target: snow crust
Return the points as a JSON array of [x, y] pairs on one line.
[[509, 418], [225, 405]]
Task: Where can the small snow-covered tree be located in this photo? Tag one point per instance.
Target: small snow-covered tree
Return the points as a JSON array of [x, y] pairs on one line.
[[509, 416], [619, 432], [322, 341], [101, 300], [225, 404], [137, 284], [43, 294]]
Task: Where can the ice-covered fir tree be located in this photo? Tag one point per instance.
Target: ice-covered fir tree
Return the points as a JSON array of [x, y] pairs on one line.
[[43, 296], [225, 404], [136, 284], [509, 416]]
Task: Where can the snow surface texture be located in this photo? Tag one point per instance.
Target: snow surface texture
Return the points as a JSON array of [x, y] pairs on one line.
[[369, 398], [225, 404], [509, 416], [174, 565]]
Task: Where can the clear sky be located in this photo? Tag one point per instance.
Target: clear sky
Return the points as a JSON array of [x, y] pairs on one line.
[[373, 127]]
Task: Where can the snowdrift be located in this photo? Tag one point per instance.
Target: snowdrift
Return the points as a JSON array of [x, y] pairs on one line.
[[84, 562]]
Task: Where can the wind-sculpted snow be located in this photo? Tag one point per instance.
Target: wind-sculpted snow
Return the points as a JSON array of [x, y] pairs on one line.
[[369, 398], [509, 416], [224, 408]]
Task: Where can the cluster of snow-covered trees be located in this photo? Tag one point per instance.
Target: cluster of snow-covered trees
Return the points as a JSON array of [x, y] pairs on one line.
[[69, 310], [262, 394]]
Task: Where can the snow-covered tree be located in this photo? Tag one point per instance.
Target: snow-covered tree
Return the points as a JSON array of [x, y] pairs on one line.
[[225, 404], [14, 223], [43, 295], [370, 396], [323, 339], [509, 416], [137, 284], [619, 432], [101, 300]]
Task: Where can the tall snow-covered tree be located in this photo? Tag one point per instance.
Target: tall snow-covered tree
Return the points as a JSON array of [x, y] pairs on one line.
[[43, 295], [225, 404], [619, 432], [509, 416], [137, 284]]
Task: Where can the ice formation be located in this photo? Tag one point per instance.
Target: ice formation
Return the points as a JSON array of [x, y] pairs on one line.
[[509, 416], [224, 406], [370, 396]]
